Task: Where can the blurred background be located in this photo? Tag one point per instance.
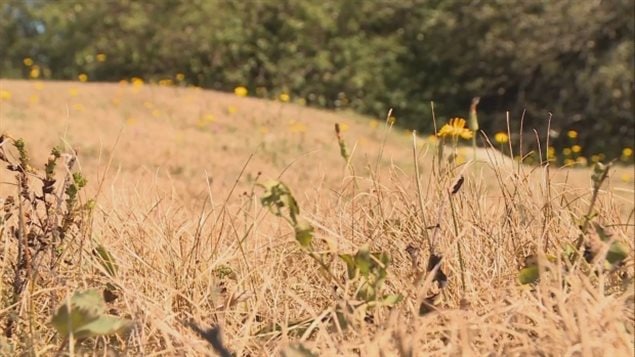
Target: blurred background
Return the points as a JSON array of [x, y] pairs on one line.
[[571, 58]]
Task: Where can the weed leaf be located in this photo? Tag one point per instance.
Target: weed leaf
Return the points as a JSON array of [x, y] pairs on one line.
[[392, 299], [303, 232], [84, 317], [529, 274], [277, 195], [616, 254], [350, 264], [106, 260]]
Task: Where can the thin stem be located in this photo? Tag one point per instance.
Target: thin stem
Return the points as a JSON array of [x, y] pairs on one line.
[[458, 245]]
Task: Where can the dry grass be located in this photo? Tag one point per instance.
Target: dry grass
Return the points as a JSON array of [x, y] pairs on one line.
[[179, 209]]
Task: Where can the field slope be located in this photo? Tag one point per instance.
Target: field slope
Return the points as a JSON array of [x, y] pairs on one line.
[[177, 175]]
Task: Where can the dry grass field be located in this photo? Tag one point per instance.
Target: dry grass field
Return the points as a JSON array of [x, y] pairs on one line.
[[175, 184]]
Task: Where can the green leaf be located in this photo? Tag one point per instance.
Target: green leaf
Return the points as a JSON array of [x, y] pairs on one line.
[[391, 299], [529, 274], [616, 254], [83, 316], [106, 260], [277, 195], [363, 261], [102, 326], [350, 264], [303, 232]]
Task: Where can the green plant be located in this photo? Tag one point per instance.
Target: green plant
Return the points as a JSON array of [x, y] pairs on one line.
[[83, 316]]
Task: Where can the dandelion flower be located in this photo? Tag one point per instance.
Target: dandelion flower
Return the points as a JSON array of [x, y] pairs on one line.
[[576, 148], [455, 128], [101, 57], [35, 72], [27, 62], [5, 95], [284, 97], [136, 82], [82, 77], [566, 151], [241, 91], [501, 137], [627, 152], [572, 134], [551, 152]]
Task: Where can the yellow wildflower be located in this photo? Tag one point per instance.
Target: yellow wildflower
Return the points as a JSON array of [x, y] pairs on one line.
[[82, 77], [572, 134], [551, 152], [566, 151], [241, 91], [208, 118], [101, 57], [392, 120], [180, 77], [297, 127], [582, 161], [284, 97], [455, 128], [5, 95], [501, 137], [576, 148], [627, 152], [27, 62], [136, 82], [35, 72]]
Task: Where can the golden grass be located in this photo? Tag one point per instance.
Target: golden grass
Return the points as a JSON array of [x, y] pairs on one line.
[[179, 204]]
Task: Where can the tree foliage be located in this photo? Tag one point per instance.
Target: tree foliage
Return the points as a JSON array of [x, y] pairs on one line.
[[570, 58]]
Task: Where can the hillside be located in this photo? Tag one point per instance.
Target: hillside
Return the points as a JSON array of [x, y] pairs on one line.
[[179, 209]]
